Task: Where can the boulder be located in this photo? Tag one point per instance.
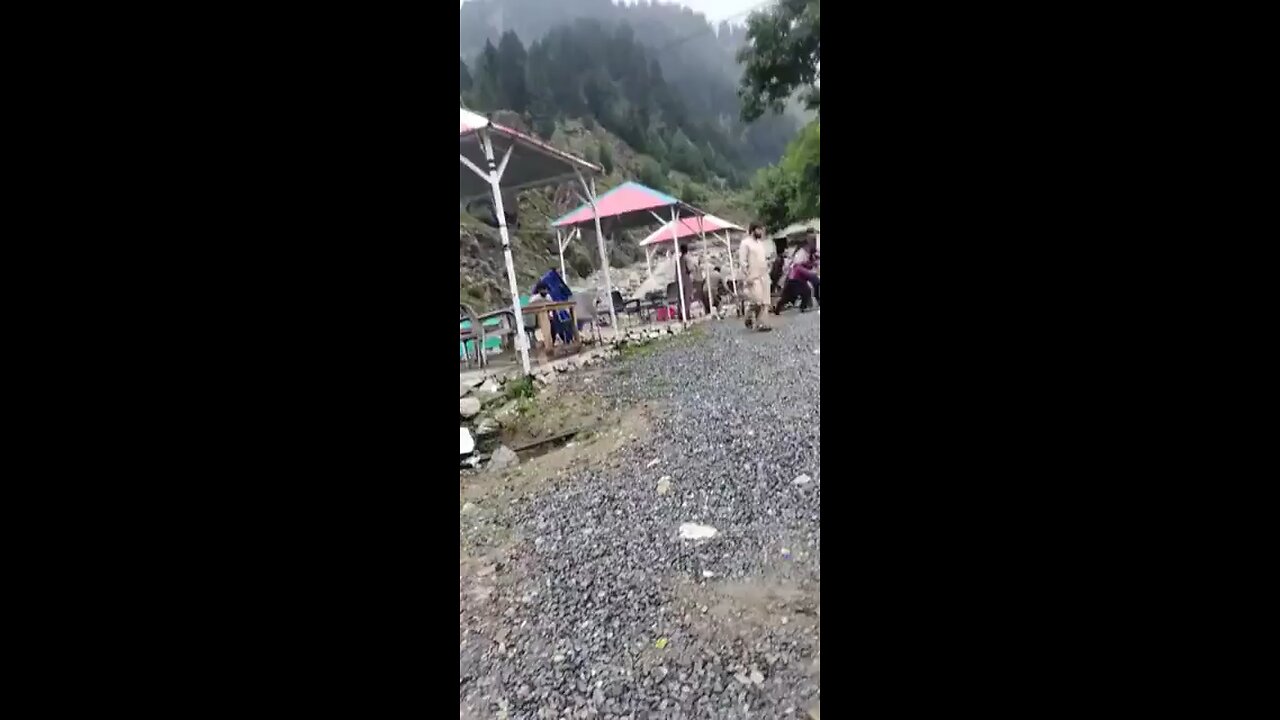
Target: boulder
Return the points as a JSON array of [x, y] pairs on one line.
[[465, 441], [488, 391], [486, 427], [468, 407], [503, 458]]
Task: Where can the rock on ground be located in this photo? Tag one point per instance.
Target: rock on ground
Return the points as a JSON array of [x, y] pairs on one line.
[[503, 458], [468, 407]]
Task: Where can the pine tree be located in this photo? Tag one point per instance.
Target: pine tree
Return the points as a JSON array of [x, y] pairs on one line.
[[487, 93], [511, 72]]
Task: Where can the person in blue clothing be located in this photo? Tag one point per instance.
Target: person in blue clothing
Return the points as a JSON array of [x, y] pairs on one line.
[[552, 286]]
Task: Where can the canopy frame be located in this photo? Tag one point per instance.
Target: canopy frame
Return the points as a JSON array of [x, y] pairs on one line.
[[590, 189], [492, 176], [630, 218]]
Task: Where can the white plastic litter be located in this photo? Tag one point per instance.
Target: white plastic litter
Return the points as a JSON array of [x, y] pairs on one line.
[[802, 479], [694, 531]]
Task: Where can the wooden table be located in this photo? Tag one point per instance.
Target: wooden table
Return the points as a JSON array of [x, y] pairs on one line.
[[543, 310]]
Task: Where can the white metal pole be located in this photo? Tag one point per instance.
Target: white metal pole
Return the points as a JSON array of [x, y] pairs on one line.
[[648, 260], [675, 252], [560, 248], [604, 255], [706, 271], [522, 343], [733, 263]]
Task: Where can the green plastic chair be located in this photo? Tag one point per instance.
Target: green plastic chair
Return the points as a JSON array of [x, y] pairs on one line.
[[490, 343]]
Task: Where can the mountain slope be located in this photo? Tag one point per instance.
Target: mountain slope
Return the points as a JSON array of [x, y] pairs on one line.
[[697, 59]]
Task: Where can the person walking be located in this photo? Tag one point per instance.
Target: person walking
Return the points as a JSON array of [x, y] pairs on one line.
[[777, 273], [694, 289], [799, 277], [755, 274]]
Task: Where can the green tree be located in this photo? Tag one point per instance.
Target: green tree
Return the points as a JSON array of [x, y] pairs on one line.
[[685, 156], [802, 163], [486, 92], [655, 144], [693, 193], [783, 55], [542, 105], [773, 192], [511, 72], [650, 173], [606, 158], [464, 77]]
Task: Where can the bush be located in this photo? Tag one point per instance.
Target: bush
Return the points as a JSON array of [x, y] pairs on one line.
[[580, 264], [693, 193], [606, 158], [651, 173]]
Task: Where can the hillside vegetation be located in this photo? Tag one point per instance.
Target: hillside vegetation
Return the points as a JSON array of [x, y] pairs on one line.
[[650, 92]]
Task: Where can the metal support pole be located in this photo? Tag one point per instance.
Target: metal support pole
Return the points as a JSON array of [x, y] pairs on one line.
[[604, 255], [675, 252], [522, 343], [733, 263], [706, 270], [560, 248]]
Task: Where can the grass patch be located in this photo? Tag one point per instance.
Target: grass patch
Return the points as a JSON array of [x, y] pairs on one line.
[[521, 389], [635, 350]]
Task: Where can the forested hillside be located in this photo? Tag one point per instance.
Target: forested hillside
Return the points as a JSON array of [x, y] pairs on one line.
[[650, 92], [646, 70]]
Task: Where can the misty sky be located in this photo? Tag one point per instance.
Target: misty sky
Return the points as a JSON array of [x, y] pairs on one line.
[[716, 10]]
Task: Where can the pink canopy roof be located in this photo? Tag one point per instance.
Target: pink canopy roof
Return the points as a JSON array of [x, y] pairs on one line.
[[533, 162], [628, 204], [689, 227]]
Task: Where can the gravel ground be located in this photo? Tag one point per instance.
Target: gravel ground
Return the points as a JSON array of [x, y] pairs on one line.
[[595, 607]]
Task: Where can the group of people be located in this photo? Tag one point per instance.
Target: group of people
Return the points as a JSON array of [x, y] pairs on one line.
[[797, 276], [794, 276], [695, 283]]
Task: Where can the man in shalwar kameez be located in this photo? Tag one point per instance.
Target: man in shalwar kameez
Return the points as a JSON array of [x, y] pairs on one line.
[[755, 274]]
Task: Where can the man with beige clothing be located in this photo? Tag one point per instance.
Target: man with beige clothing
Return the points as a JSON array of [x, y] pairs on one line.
[[755, 274]]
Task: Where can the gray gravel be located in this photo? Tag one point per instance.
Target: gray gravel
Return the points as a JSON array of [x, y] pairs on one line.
[[568, 622]]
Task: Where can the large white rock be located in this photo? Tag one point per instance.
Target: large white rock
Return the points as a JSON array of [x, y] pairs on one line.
[[468, 407], [488, 391], [465, 441]]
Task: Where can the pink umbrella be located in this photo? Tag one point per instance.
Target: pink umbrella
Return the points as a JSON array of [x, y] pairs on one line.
[[688, 227], [526, 162]]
